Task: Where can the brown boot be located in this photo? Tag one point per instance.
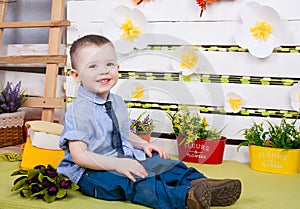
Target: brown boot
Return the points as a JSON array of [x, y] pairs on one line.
[[225, 192], [199, 197]]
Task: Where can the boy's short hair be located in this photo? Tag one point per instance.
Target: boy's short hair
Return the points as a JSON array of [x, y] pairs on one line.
[[92, 39]]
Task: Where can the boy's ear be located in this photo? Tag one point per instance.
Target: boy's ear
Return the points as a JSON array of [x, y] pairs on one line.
[[75, 75]]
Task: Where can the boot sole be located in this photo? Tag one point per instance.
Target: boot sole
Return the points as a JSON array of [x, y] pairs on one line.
[[203, 192], [226, 194]]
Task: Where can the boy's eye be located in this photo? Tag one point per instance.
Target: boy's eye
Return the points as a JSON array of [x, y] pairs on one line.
[[92, 66], [110, 64]]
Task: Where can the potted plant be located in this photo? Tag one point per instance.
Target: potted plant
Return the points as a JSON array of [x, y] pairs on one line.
[[196, 141], [273, 148], [42, 182], [142, 126], [11, 119]]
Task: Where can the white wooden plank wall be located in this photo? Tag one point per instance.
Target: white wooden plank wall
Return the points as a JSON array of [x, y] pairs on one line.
[[179, 23]]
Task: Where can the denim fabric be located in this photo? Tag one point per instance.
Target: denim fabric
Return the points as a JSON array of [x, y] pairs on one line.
[[87, 120], [166, 186]]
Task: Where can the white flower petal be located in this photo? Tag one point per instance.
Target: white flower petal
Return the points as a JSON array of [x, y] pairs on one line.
[[141, 42], [187, 72], [250, 11], [139, 19], [242, 36], [295, 105], [111, 31], [120, 13], [294, 96], [123, 46], [261, 49], [270, 14], [295, 91]]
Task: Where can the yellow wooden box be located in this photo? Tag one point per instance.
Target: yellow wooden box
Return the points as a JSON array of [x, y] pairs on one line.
[[33, 156], [274, 160]]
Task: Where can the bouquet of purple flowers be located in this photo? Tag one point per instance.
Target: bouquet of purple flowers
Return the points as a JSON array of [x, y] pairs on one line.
[[43, 183], [142, 126], [11, 98]]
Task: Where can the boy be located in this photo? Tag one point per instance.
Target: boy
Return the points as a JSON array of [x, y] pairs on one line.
[[109, 162]]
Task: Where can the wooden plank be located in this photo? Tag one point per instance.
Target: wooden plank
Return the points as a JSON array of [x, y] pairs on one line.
[[33, 59], [50, 103], [182, 10], [219, 63], [3, 8], [55, 23], [207, 94], [32, 83], [55, 33], [202, 33]]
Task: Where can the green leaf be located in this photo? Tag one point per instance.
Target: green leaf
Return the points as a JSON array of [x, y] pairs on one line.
[[26, 192], [74, 186], [19, 172], [61, 193], [32, 173], [40, 177], [49, 198], [44, 191], [19, 184]]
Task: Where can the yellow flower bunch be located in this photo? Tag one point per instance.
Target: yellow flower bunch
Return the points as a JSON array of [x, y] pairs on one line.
[[191, 126]]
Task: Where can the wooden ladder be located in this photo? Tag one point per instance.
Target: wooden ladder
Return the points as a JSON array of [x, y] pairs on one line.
[[49, 102]]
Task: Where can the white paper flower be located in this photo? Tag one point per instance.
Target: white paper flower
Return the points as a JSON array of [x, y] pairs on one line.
[[125, 28], [137, 91], [233, 103], [261, 30], [295, 96], [186, 60]]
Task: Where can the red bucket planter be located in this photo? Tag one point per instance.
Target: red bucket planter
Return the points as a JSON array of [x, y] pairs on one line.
[[202, 151]]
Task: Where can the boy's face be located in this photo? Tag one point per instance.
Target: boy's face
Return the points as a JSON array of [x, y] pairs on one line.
[[97, 68]]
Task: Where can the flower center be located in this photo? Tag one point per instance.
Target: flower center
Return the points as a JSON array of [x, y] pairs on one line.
[[261, 30], [138, 93], [235, 103], [188, 59], [130, 32]]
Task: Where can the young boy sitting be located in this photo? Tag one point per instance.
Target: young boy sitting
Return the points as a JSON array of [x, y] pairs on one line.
[[109, 162]]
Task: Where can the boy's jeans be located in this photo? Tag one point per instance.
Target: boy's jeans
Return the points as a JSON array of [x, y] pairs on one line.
[[165, 187]]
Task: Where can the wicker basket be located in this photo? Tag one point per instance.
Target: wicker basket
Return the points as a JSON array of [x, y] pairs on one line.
[[11, 128]]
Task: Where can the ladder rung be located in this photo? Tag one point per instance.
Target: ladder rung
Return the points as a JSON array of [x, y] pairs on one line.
[[55, 59], [56, 23], [43, 102]]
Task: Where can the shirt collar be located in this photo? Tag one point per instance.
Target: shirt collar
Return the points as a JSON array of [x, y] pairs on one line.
[[91, 96]]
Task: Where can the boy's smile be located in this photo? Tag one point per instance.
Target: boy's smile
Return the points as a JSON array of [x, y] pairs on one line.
[[99, 69]]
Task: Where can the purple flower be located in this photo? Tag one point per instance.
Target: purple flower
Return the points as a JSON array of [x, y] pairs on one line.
[[65, 184], [46, 183], [39, 167], [35, 179], [11, 98], [35, 188], [51, 172], [52, 190]]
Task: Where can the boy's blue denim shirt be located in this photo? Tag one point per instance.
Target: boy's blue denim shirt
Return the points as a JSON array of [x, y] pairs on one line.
[[87, 120]]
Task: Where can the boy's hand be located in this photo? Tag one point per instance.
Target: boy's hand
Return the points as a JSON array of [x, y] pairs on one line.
[[149, 148], [130, 167]]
